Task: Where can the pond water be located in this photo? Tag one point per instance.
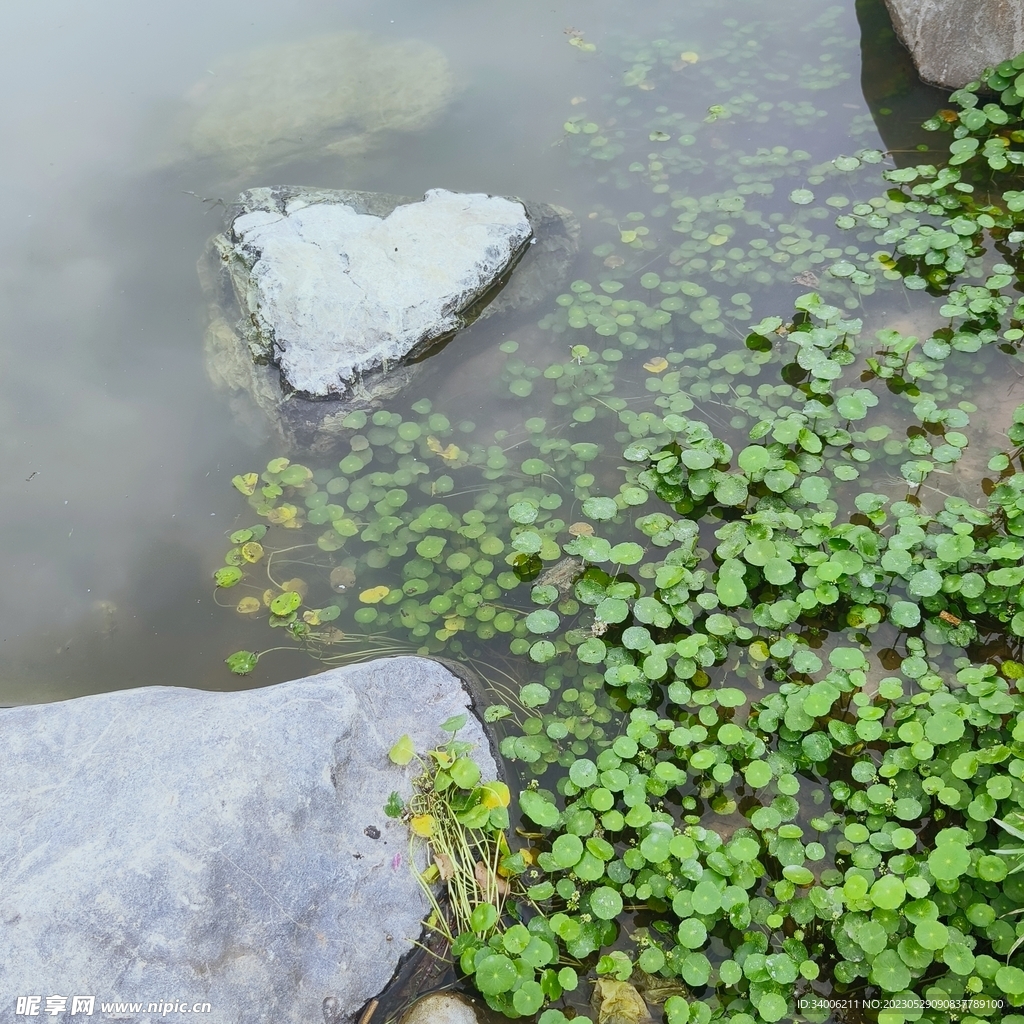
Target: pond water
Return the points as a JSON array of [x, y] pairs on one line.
[[724, 164], [118, 448]]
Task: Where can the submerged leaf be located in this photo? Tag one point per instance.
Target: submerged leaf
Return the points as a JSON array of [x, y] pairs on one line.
[[450, 453]]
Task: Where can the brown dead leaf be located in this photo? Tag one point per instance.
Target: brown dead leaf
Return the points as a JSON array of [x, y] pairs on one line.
[[488, 881], [808, 279], [950, 618], [581, 530], [342, 577], [445, 869]]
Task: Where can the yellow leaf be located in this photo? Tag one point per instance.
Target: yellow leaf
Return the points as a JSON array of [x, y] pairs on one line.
[[248, 605], [656, 365], [628, 236], [374, 594], [689, 57], [282, 514], [246, 483], [455, 623], [431, 875], [403, 751], [495, 794], [449, 454], [311, 616], [268, 596], [252, 552], [422, 825]]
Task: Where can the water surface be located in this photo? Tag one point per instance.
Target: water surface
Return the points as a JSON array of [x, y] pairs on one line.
[[118, 450]]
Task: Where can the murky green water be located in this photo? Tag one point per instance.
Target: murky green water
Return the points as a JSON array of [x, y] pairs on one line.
[[117, 447]]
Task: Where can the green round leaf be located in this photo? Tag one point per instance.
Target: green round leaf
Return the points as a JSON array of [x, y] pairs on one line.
[[949, 861], [566, 850], [496, 974], [543, 620], [228, 576], [286, 603], [888, 892], [772, 1006], [606, 903], [600, 508]]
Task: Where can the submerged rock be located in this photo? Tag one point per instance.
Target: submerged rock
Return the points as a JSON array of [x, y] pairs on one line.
[[322, 300], [337, 94], [953, 41], [440, 1008], [228, 848]]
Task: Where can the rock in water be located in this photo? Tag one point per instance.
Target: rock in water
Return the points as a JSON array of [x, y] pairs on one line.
[[321, 300], [953, 41], [337, 293], [441, 1008], [228, 848], [329, 95]]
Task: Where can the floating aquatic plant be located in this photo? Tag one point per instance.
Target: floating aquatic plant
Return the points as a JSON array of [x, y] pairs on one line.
[[759, 641]]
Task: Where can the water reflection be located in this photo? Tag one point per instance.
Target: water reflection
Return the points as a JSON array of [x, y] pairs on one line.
[[103, 395]]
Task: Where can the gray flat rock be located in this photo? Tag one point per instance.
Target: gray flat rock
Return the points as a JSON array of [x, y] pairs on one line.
[[953, 41], [338, 292], [230, 848]]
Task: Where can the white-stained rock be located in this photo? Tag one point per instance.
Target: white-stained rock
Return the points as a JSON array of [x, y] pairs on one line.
[[953, 41], [341, 292], [294, 308], [231, 848]]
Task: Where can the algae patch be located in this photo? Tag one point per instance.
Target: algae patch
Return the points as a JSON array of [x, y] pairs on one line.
[[335, 94]]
